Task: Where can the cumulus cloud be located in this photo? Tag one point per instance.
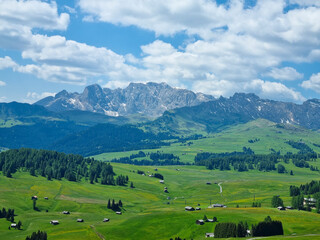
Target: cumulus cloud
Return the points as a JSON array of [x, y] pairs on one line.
[[7, 62], [33, 96], [313, 83], [284, 74], [264, 89], [2, 84], [18, 18]]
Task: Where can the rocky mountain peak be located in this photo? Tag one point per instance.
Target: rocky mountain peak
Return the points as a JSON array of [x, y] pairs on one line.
[[150, 99]]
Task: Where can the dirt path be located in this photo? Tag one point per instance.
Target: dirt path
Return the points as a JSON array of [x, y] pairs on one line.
[[96, 232], [219, 184]]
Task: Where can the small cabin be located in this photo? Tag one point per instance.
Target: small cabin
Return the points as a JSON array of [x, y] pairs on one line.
[[200, 222], [209, 235], [66, 212], [150, 175], [34, 198], [289, 207], [219, 205], [54, 222], [166, 190], [209, 220], [188, 208], [119, 213], [281, 208], [46, 198], [106, 220], [161, 181], [13, 225], [198, 208], [80, 220]]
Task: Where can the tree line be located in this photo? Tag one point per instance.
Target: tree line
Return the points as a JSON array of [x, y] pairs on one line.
[[55, 165], [268, 227], [40, 235], [248, 160], [229, 229]]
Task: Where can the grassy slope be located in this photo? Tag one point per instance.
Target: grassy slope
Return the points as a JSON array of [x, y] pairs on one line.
[[235, 138], [146, 212]]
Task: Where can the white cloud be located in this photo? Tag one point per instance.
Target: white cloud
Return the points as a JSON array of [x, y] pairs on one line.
[[7, 62], [164, 17], [33, 14], [18, 18], [2, 84], [313, 83], [264, 89], [3, 99], [284, 74], [33, 96], [273, 90]]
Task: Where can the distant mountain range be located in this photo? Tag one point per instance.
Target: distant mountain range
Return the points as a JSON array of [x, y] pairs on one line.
[[150, 99], [57, 127], [240, 108]]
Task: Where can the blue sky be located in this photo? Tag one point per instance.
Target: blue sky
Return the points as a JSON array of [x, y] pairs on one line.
[[268, 47]]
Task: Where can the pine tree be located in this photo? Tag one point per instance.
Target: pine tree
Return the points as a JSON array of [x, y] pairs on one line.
[[109, 204], [131, 185], [19, 225]]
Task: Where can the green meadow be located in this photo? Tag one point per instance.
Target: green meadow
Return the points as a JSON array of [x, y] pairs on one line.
[[148, 212], [270, 135]]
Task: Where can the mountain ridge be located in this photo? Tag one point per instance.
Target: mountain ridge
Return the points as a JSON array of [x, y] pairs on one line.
[[150, 99]]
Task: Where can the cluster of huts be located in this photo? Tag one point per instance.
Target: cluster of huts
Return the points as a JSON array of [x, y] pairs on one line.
[[36, 198], [56, 222], [284, 208]]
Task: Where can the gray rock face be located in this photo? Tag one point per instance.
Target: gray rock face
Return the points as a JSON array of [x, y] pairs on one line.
[[151, 99]]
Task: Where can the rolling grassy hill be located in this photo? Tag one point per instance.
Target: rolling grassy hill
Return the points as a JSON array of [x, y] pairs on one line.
[[270, 135], [146, 212]]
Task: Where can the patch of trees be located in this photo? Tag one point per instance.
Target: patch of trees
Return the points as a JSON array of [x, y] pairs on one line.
[[256, 204], [254, 140], [122, 180], [8, 214], [267, 228], [40, 235], [247, 160], [114, 206], [281, 168], [227, 230], [240, 161], [158, 175], [163, 156], [138, 155], [307, 189], [301, 146], [55, 165], [276, 201], [145, 162]]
